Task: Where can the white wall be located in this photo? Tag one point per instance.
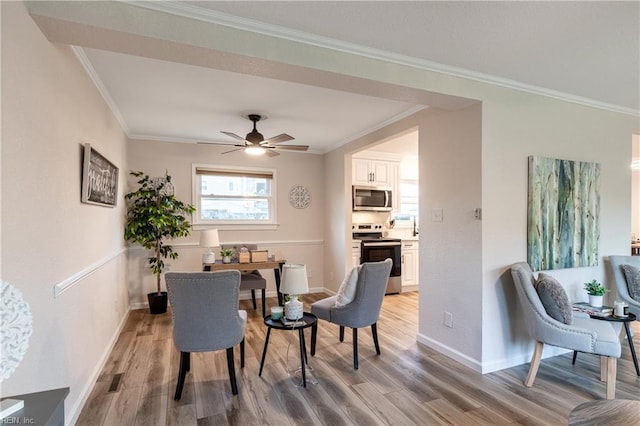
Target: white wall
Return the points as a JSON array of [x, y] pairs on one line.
[[49, 109], [516, 125], [299, 235], [635, 188], [451, 249]]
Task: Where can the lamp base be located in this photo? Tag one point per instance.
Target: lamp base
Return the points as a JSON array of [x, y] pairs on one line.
[[209, 257], [293, 309]]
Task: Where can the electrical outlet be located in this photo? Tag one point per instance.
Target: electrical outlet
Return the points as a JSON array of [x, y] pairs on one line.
[[448, 319]]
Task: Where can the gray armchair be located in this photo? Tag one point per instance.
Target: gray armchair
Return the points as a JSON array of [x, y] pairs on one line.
[[364, 310], [621, 283], [250, 280], [583, 335], [206, 317]]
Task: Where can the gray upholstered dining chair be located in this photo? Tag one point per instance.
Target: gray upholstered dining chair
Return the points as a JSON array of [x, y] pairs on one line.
[[250, 280], [364, 309], [206, 318], [584, 334], [622, 286]]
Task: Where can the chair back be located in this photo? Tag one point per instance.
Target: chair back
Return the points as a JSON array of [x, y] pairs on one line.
[[621, 282], [364, 310], [205, 310], [535, 315]]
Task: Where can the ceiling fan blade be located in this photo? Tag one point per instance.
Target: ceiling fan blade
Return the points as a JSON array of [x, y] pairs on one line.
[[283, 137], [293, 147], [240, 138], [218, 143], [234, 150], [271, 153]]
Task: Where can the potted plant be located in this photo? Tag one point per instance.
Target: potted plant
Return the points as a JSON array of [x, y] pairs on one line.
[[153, 215], [226, 255], [596, 292]]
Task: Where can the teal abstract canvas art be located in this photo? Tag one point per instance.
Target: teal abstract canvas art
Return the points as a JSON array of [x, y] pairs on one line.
[[563, 227]]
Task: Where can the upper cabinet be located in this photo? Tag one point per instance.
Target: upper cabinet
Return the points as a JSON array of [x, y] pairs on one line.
[[372, 172]]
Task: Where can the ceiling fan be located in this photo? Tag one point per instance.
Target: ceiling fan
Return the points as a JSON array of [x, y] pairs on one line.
[[255, 144]]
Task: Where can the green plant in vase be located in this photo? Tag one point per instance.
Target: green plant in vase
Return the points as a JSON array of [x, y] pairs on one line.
[[226, 255], [154, 214], [596, 292], [594, 288]]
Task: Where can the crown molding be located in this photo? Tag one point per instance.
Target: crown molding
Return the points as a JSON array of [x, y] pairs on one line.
[[86, 64], [244, 24]]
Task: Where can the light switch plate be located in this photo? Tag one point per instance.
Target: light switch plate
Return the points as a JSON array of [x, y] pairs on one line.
[[436, 215]]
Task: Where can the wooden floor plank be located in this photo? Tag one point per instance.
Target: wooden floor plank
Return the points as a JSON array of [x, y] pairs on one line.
[[407, 384]]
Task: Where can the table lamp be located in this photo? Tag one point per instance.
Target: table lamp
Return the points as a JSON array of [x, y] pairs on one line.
[[209, 238], [294, 283]]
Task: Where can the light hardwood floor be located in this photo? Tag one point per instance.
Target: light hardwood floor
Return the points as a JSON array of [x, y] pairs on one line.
[[408, 384]]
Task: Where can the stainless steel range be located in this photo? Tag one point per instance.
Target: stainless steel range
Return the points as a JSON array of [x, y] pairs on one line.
[[374, 248]]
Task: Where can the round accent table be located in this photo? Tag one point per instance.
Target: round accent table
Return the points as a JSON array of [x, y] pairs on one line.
[[626, 320], [307, 320], [605, 412]]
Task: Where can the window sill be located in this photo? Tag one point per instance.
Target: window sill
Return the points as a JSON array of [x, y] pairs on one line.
[[237, 226]]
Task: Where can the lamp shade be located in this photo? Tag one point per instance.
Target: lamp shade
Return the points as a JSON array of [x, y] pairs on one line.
[[209, 238], [294, 279]]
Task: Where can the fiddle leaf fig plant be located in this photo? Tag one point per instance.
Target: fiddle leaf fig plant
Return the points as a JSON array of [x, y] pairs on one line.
[[154, 214], [594, 288]]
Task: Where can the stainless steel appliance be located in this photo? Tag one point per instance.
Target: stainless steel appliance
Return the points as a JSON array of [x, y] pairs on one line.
[[371, 198], [374, 248]]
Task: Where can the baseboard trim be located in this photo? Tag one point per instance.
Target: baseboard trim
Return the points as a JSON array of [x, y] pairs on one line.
[[450, 352], [74, 412]]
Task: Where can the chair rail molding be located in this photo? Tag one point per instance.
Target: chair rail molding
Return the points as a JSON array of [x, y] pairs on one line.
[[65, 285]]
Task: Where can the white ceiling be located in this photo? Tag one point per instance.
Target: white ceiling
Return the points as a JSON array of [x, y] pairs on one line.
[[586, 51]]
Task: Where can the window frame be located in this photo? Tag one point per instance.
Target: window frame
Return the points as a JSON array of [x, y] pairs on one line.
[[239, 224]]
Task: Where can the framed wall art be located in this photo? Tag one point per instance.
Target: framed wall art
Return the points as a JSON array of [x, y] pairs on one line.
[[563, 218], [99, 179]]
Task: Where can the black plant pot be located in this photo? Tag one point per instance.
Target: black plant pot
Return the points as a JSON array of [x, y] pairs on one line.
[[157, 302]]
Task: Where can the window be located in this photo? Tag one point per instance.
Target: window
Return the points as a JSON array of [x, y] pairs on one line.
[[408, 203], [227, 196]]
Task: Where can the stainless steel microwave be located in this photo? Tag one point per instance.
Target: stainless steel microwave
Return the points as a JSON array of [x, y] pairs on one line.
[[371, 198]]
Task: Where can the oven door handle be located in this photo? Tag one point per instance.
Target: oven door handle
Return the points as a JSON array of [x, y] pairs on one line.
[[381, 244]]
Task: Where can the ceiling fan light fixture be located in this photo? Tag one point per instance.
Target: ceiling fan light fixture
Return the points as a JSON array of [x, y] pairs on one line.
[[255, 150], [254, 136]]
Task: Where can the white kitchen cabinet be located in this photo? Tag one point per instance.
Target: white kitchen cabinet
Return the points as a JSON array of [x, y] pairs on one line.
[[372, 172], [355, 253], [410, 263]]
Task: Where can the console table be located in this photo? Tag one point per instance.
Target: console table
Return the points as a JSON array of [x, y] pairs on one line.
[[276, 265]]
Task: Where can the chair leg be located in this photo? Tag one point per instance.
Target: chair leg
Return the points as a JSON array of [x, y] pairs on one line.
[[374, 333], [342, 333], [611, 376], [535, 363], [232, 371], [253, 299], [185, 361], [264, 302], [242, 353], [355, 348]]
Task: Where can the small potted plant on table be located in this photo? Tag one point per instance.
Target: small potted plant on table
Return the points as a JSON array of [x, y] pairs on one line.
[[154, 214], [226, 255], [596, 293]]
